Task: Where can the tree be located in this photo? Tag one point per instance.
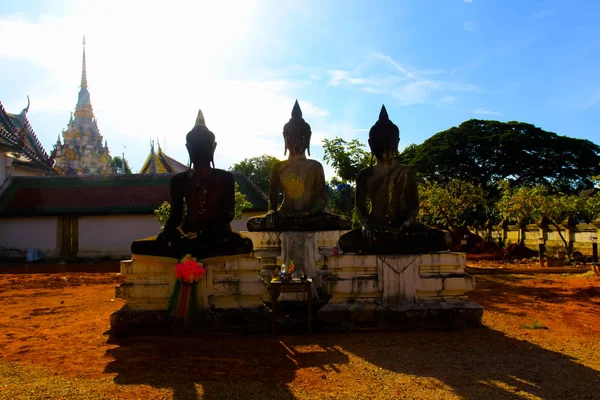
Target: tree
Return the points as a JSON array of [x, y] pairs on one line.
[[588, 205], [117, 163], [163, 212], [449, 204], [487, 152], [257, 170], [340, 197], [538, 204], [347, 158]]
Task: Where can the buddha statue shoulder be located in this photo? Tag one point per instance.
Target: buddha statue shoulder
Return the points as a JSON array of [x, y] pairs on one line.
[[209, 194], [302, 182], [389, 225]]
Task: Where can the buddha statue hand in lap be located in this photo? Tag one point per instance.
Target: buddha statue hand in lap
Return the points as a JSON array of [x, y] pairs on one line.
[[390, 226], [302, 182], [210, 197]]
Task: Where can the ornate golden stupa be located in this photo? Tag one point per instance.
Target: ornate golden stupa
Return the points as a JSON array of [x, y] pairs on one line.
[[81, 152]]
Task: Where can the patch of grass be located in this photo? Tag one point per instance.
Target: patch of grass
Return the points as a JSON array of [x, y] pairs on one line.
[[535, 324]]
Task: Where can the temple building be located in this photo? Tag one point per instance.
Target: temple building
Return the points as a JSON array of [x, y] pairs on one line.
[[21, 153], [160, 163], [82, 151]]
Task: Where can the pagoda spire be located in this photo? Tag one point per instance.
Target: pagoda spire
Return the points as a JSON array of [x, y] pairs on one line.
[[83, 69]]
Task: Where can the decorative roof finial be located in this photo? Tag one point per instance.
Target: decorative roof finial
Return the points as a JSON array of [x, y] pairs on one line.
[[83, 71], [26, 109], [200, 119]]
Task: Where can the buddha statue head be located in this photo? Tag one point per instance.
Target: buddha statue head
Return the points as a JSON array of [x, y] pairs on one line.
[[384, 137], [200, 143], [296, 133]]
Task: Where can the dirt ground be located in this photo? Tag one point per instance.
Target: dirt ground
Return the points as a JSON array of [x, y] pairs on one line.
[[540, 339]]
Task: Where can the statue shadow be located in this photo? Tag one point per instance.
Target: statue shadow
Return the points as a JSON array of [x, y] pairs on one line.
[[473, 363], [500, 291], [215, 367]]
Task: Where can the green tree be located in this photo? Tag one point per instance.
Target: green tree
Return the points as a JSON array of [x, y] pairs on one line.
[[588, 206], [340, 196], [347, 158], [449, 204], [257, 170], [537, 204], [117, 163], [163, 212], [488, 152]]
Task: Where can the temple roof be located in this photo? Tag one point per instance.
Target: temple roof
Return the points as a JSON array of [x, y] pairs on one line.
[[17, 133], [97, 195], [159, 162]]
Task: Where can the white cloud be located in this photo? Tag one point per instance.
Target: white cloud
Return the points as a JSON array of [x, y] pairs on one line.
[[449, 99], [482, 111], [407, 84], [467, 1]]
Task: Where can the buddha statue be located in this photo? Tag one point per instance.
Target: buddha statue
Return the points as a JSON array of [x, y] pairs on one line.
[[302, 182], [390, 226], [210, 197]]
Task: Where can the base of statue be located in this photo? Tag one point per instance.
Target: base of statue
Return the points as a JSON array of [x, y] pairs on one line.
[[272, 248], [228, 297], [398, 291]]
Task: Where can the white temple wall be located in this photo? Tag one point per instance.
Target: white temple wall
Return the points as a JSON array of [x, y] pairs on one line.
[[111, 235], [19, 234]]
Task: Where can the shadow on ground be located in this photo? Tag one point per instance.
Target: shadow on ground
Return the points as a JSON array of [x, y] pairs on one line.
[[498, 292], [474, 363]]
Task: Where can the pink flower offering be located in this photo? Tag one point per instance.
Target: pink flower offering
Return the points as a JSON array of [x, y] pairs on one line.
[[189, 270]]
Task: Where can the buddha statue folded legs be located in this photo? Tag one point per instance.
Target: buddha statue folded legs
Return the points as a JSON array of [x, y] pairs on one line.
[[418, 239], [209, 194], [200, 245], [302, 182], [389, 226]]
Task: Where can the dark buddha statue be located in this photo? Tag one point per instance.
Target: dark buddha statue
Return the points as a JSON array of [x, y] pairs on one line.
[[210, 197], [302, 182], [390, 226]]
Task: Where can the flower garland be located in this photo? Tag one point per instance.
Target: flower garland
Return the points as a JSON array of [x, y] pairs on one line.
[[188, 272]]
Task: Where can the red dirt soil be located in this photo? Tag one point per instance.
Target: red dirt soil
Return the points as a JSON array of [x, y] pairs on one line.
[[59, 321]]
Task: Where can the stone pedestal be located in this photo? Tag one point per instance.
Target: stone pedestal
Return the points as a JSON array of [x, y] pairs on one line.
[[397, 291], [268, 246], [230, 291]]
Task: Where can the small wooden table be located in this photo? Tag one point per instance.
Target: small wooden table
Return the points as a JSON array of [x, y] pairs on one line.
[[278, 287]]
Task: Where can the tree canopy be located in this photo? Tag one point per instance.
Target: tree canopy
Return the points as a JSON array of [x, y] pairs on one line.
[[257, 170], [488, 152], [347, 158], [117, 163]]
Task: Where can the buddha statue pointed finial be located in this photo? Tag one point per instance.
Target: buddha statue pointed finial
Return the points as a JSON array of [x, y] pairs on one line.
[[200, 119], [383, 115], [201, 141], [384, 136], [296, 111], [297, 133]]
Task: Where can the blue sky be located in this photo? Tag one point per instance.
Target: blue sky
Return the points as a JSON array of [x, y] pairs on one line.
[[434, 64]]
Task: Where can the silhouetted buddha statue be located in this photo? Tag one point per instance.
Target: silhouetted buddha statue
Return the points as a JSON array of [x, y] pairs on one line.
[[390, 226], [302, 182], [210, 197]]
